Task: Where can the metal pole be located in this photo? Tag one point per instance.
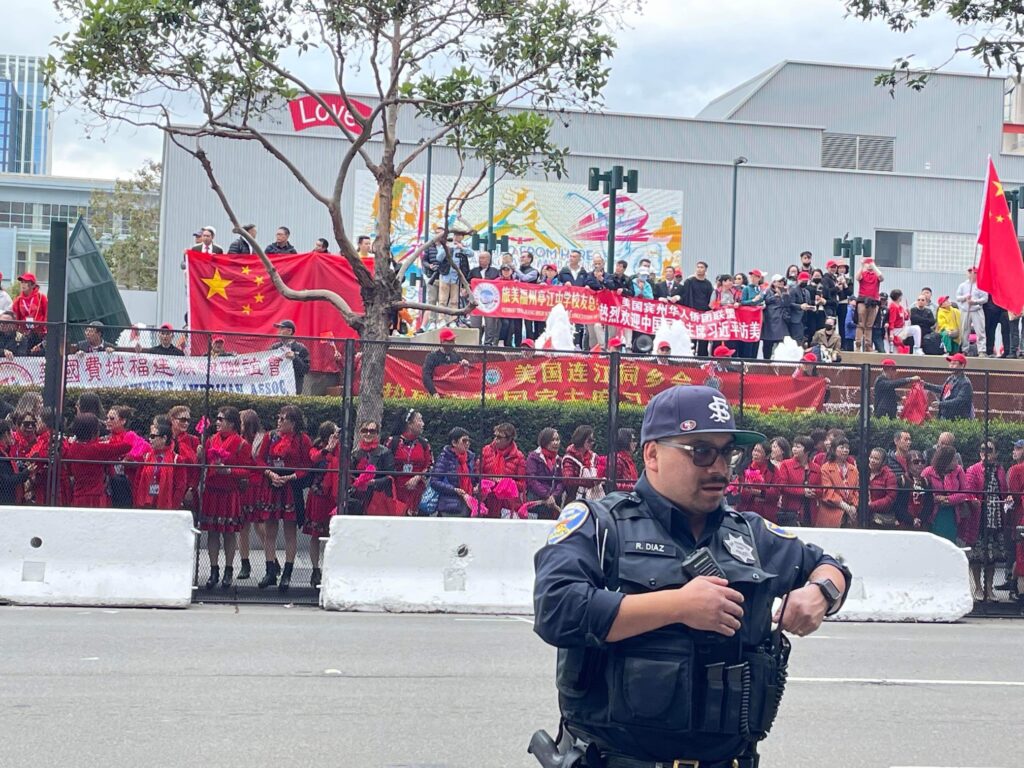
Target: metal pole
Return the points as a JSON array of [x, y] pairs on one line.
[[426, 193], [491, 239], [732, 240], [345, 452], [610, 264], [743, 374], [613, 417], [987, 404], [55, 378], [862, 457]]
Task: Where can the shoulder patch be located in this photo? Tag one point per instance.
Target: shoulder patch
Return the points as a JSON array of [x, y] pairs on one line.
[[778, 531], [573, 516]]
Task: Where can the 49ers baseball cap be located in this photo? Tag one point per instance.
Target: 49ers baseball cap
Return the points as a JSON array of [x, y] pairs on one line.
[[692, 410]]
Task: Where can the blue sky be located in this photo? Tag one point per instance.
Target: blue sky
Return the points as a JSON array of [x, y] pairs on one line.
[[672, 60]]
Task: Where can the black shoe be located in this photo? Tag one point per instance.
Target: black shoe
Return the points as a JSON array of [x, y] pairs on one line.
[[1006, 586], [286, 578], [245, 572], [214, 577], [229, 573], [270, 579], [314, 579]]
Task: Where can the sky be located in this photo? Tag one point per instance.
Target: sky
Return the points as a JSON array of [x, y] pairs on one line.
[[671, 60]]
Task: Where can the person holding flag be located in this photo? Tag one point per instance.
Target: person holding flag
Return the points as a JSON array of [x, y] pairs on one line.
[[1000, 270]]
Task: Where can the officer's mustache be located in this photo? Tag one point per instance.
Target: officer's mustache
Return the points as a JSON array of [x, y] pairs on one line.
[[715, 480]]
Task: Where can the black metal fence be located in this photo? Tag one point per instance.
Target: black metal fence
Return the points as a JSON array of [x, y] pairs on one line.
[[543, 427]]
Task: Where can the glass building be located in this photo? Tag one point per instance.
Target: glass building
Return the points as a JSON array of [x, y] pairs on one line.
[[26, 127]]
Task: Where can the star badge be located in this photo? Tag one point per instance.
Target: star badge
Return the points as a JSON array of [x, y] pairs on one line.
[[739, 549], [217, 285]]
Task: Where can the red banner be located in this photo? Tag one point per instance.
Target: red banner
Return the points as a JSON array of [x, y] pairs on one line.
[[233, 293], [575, 378], [526, 301], [307, 112]]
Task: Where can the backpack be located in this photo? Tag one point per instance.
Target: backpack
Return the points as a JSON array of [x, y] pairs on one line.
[[931, 344]]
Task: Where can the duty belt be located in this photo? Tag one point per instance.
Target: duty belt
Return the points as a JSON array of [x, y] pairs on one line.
[[615, 761]]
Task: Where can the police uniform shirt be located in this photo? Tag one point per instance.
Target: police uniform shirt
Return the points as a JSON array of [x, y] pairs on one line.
[[575, 606]]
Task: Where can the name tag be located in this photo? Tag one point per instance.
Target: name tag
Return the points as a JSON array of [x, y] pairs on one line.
[[651, 548], [154, 489], [407, 469]]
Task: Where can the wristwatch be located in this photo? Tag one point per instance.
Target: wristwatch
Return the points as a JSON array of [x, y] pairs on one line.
[[831, 593]]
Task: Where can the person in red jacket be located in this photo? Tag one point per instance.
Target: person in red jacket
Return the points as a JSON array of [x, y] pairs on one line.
[[288, 460], [186, 445], [881, 491], [228, 457], [30, 308], [413, 460], [579, 466], [159, 479], [322, 502], [757, 490], [985, 530], [30, 442], [256, 495], [799, 481], [625, 467], [501, 460], [87, 483], [1015, 488]]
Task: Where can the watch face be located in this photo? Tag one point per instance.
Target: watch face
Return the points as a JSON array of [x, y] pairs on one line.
[[831, 590]]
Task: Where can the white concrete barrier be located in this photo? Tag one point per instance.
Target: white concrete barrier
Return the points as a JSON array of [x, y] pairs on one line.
[[899, 575], [416, 564], [99, 557], [485, 566]]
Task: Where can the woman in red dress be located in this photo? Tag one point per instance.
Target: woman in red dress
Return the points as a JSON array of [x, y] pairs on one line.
[[30, 443], [413, 460], [121, 478], [257, 495], [87, 483], [186, 445], [322, 501], [220, 515], [758, 492], [159, 479], [288, 460]]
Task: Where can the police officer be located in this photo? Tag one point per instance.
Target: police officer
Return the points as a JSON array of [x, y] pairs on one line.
[[659, 665]]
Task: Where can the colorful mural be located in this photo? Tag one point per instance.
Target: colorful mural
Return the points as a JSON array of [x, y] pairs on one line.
[[545, 218]]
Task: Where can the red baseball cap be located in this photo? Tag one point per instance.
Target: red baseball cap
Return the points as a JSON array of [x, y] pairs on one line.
[[166, 327], [810, 357], [756, 272], [723, 351], [889, 363], [28, 277], [528, 343], [616, 342], [831, 263], [664, 345], [803, 276], [218, 339], [957, 358], [552, 267], [446, 334], [943, 300]]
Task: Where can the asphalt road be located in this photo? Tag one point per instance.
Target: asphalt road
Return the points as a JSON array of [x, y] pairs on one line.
[[274, 686]]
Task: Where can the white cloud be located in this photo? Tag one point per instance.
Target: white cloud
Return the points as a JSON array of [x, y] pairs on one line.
[[673, 59]]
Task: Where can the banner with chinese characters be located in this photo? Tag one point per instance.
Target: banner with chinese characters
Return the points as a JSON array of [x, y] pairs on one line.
[[574, 378], [258, 373], [504, 298]]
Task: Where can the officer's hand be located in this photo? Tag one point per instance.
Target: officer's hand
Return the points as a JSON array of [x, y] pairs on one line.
[[804, 611], [708, 603]]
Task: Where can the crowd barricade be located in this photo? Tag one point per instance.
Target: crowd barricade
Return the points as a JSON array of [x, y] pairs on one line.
[[492, 390]]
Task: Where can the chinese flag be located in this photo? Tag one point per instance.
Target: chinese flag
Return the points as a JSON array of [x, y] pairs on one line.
[[231, 293], [1001, 270]]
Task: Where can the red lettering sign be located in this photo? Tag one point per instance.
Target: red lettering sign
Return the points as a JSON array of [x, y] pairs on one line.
[[307, 112]]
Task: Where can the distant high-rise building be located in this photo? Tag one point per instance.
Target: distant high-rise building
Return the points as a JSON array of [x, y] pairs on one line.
[[26, 127]]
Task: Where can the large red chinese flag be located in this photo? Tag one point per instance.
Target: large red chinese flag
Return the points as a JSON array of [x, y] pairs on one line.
[[1001, 270], [231, 293]]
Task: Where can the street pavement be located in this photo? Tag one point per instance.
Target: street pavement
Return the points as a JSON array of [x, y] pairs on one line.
[[226, 687]]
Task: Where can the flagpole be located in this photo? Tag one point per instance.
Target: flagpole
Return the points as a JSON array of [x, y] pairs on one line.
[[965, 319]]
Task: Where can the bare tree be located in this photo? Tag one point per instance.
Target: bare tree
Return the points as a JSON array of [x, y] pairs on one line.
[[457, 66]]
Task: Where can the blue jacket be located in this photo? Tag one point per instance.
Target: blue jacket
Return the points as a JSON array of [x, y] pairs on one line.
[[444, 479], [850, 326]]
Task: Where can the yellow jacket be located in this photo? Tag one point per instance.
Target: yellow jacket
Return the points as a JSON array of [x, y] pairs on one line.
[[947, 320]]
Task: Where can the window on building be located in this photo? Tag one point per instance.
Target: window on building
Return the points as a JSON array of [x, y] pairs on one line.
[[894, 249]]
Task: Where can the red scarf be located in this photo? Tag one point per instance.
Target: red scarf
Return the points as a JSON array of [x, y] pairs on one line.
[[550, 457], [503, 458], [369, 446], [464, 481]]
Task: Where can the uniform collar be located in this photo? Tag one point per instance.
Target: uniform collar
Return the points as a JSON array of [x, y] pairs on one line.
[[671, 517]]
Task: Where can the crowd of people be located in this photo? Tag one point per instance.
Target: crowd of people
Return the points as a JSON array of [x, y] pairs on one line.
[[247, 483]]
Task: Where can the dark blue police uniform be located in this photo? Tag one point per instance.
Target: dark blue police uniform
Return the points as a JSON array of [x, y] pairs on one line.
[[673, 694]]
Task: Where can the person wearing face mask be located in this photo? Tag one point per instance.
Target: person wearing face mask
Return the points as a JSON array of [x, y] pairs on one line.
[[814, 320], [773, 324], [828, 338]]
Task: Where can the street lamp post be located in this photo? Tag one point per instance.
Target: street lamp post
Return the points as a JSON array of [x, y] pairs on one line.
[[612, 181], [732, 242]]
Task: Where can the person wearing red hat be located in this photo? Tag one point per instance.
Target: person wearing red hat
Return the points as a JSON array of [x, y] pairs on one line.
[[799, 301], [885, 399], [446, 355], [948, 325], [956, 395], [869, 280], [217, 349], [165, 336], [30, 308]]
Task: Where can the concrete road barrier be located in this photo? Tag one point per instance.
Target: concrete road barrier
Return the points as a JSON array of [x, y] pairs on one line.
[[413, 565], [899, 575], [96, 557], [486, 566]]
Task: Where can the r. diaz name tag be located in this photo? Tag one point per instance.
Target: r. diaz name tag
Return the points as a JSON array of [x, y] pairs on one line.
[[651, 548]]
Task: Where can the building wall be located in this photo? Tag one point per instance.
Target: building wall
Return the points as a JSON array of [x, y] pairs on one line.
[[35, 121]]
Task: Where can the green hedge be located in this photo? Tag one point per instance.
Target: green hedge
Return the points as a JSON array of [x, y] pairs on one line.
[[530, 417]]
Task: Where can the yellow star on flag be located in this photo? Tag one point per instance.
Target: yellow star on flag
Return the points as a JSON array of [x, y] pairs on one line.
[[259, 298], [1000, 219], [246, 270], [247, 310], [217, 285], [259, 279], [999, 187]]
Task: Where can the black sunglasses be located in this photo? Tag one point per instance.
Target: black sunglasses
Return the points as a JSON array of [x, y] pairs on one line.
[[28, 424], [705, 455]]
